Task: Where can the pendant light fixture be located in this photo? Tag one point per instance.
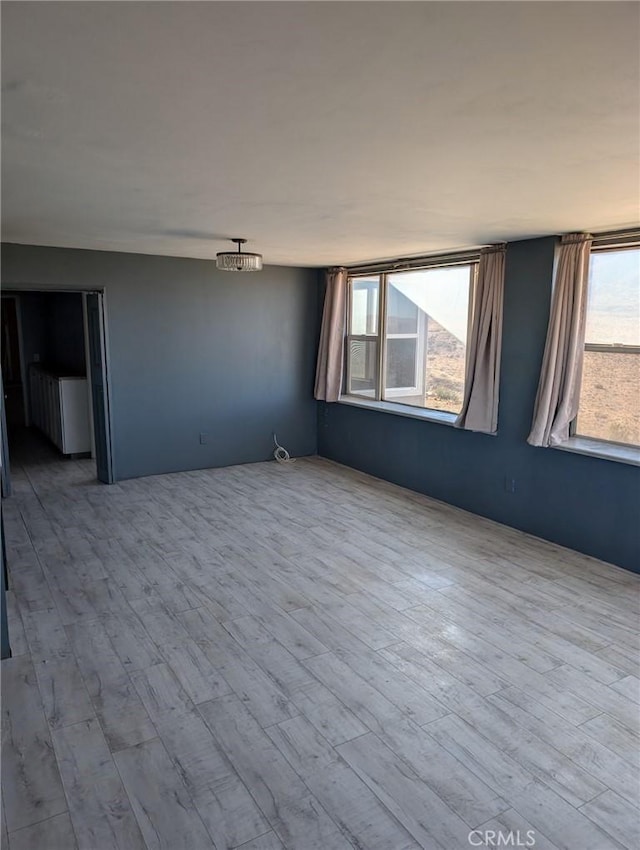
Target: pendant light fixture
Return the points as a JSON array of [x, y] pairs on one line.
[[238, 261]]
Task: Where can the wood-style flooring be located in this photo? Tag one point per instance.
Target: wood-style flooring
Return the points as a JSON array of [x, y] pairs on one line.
[[305, 657]]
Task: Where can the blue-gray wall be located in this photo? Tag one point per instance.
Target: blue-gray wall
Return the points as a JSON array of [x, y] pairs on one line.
[[52, 329], [34, 326], [66, 332], [585, 503], [193, 351]]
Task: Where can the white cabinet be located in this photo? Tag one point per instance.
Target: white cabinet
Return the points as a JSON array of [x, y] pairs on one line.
[[60, 409]]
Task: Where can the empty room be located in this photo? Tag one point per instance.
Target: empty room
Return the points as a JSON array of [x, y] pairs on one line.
[[320, 435]]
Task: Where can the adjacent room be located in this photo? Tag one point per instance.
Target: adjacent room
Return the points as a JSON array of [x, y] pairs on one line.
[[320, 433]]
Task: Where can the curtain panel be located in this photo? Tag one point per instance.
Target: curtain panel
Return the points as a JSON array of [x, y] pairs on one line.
[[558, 393], [331, 349], [482, 373]]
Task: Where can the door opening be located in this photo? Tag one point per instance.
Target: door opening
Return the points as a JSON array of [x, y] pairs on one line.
[[98, 378], [54, 348]]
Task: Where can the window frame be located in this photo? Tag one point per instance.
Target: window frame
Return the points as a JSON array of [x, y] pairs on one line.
[[375, 399], [601, 246], [349, 337]]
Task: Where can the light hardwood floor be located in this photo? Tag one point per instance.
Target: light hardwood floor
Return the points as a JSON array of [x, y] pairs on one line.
[[305, 657]]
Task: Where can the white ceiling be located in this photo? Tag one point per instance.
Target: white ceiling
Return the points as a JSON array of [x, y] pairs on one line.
[[323, 132]]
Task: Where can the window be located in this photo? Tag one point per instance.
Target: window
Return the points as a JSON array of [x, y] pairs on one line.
[[407, 336], [610, 390]]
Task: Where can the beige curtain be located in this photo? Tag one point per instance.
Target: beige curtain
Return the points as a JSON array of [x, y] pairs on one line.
[[331, 348], [482, 374], [559, 387]]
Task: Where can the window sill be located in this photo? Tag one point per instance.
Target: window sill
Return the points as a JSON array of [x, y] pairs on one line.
[[601, 449], [441, 416]]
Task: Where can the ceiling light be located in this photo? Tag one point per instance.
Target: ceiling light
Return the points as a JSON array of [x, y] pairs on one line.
[[238, 261]]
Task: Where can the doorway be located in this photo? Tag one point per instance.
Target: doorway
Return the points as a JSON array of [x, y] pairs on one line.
[[11, 364], [55, 368]]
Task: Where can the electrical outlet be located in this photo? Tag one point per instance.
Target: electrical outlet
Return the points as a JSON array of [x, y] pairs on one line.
[[510, 484], [204, 438]]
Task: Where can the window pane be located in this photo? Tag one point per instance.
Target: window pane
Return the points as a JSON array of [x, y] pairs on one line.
[[402, 312], [613, 310], [401, 363], [364, 306], [446, 357], [610, 397], [427, 316], [363, 367], [610, 392]]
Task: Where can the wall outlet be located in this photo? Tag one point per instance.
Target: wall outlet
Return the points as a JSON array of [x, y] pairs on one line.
[[36, 358], [204, 438], [510, 484]]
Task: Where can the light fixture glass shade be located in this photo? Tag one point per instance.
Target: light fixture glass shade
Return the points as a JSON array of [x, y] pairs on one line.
[[238, 261], [233, 261]]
